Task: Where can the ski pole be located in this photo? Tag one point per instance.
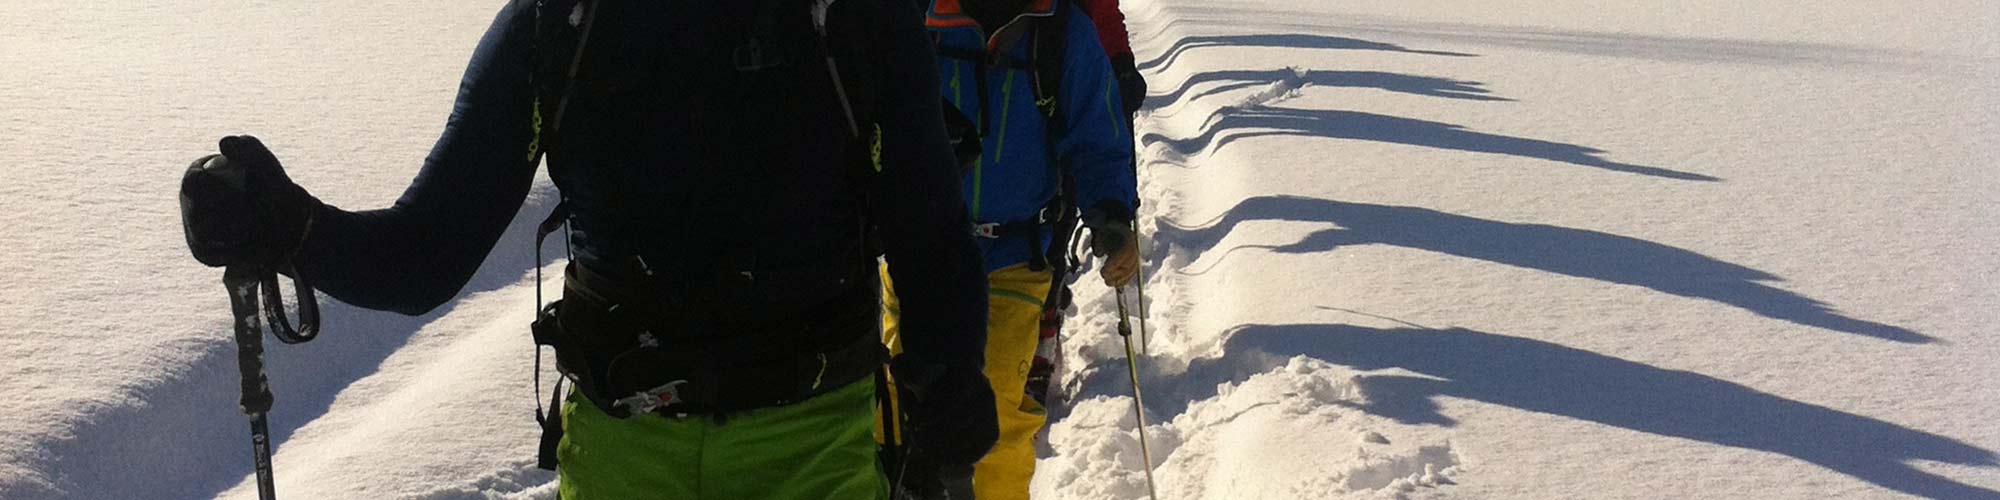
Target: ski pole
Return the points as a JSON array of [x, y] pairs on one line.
[[1138, 397], [247, 285], [244, 284], [1145, 335]]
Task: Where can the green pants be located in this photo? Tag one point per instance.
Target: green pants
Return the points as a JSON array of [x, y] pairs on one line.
[[820, 448]]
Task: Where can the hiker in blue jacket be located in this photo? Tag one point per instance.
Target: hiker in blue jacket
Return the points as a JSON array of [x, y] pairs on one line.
[[1038, 91]]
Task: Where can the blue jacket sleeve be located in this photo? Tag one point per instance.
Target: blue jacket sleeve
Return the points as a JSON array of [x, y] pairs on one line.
[[926, 234], [417, 254], [1096, 146]]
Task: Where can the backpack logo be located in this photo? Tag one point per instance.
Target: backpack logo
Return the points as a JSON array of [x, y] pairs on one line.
[[656, 398]]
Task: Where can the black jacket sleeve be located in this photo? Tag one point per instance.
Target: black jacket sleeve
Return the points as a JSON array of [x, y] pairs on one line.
[[936, 267], [417, 254]]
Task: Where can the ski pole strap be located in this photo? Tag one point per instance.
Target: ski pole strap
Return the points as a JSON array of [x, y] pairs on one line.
[[274, 310]]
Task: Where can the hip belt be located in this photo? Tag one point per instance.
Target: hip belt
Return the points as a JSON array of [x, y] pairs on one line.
[[629, 359]]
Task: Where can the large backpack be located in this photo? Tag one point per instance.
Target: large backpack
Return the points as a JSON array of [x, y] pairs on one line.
[[753, 94]]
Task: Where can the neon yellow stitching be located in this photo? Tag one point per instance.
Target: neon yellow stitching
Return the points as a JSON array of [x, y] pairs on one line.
[[1006, 108]]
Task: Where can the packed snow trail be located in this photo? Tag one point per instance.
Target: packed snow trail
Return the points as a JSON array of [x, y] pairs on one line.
[[1297, 154], [1547, 249]]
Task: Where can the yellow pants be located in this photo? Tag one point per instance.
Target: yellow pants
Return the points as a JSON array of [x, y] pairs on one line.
[[1013, 324]]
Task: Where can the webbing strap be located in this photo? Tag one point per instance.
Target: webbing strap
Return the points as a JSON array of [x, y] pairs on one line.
[[551, 419], [892, 445]]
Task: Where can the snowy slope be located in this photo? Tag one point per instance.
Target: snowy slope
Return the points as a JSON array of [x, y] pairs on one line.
[[1501, 249], [1650, 250], [118, 368]]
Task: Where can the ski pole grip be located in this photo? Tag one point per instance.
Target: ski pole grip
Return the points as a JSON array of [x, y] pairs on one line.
[[242, 285], [274, 310]]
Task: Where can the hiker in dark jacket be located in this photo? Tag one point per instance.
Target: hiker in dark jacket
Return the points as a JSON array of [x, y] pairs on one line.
[[722, 174]]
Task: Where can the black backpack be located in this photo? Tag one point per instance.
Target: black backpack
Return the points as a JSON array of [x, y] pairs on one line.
[[753, 86]]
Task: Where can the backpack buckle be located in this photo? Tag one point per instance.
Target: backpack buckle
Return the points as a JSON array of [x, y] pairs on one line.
[[547, 328], [1048, 213], [750, 57]]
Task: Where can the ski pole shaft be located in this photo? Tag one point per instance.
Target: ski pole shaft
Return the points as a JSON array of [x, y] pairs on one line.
[[256, 397], [1145, 335], [260, 442], [1138, 397]]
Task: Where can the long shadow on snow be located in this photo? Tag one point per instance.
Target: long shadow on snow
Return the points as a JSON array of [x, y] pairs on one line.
[[1236, 123], [1538, 39], [186, 439], [1280, 40], [1569, 252], [1553, 379], [1660, 48], [1394, 82]]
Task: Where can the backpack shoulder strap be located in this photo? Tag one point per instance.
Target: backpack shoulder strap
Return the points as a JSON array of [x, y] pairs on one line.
[[1051, 38], [559, 40], [819, 14]]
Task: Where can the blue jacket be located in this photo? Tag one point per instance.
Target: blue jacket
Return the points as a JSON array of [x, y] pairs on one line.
[[1012, 180]]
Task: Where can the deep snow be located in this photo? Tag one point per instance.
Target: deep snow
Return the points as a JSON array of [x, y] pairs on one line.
[[1502, 249]]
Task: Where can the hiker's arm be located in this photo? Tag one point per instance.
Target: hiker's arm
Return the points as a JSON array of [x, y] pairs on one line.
[[1096, 148], [415, 255], [1110, 24], [937, 269]]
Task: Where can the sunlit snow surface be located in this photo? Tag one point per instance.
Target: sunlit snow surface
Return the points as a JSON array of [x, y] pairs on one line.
[[1504, 249]]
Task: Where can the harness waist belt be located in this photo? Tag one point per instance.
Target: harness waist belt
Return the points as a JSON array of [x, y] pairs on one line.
[[627, 360]]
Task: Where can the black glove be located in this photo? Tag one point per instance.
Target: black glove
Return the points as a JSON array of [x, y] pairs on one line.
[[1110, 228], [1131, 86], [951, 418], [239, 209]]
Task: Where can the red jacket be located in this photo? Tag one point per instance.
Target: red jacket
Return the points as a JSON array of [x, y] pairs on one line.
[[1110, 25]]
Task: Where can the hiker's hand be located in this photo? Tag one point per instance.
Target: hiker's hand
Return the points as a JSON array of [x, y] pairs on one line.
[[1131, 86], [1121, 266], [952, 421], [1112, 238], [238, 208]]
